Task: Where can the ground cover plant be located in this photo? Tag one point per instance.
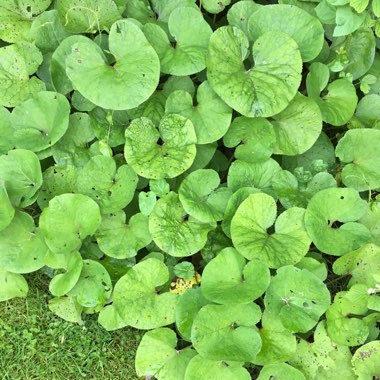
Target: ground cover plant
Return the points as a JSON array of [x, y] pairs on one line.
[[207, 171]]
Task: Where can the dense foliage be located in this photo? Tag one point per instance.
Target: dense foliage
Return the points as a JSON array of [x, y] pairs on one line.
[[205, 170]]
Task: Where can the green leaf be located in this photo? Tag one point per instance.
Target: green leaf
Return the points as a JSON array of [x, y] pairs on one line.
[[12, 285], [87, 16], [297, 127], [287, 245], [7, 211], [66, 308], [5, 130], [366, 360], [306, 30], [240, 12], [215, 6], [298, 297], [184, 270], [157, 355], [201, 368], [136, 64], [191, 34], [137, 301], [16, 18], [201, 198], [331, 206], [266, 88], [147, 200], [322, 358], [16, 67], [22, 249], [254, 139], [227, 332], [112, 188], [338, 104], [363, 265], [367, 110], [211, 117], [47, 31], [187, 308], [376, 7], [233, 203], [120, 240], [358, 149], [160, 153], [283, 370], [94, 286], [228, 279], [174, 231], [62, 283], [259, 174], [40, 121], [68, 220], [20, 171], [347, 20], [110, 319]]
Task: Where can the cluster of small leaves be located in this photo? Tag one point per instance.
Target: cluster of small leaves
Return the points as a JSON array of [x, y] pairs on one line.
[[206, 170]]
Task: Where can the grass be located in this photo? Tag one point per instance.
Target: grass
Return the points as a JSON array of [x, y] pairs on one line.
[[35, 344]]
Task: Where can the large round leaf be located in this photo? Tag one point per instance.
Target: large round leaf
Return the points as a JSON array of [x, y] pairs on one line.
[[191, 34], [20, 171], [298, 297], [227, 279], [165, 152], [157, 356], [359, 150], [211, 117], [201, 368], [174, 231], [287, 245], [126, 84], [112, 188], [305, 29], [227, 332], [40, 121], [22, 250], [68, 220], [201, 197], [266, 88], [331, 206], [297, 127], [120, 240], [137, 300]]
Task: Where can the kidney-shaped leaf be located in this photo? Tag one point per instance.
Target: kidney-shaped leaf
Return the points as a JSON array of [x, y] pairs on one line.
[[227, 332], [366, 361], [227, 279], [126, 84], [266, 88], [331, 206], [359, 149], [157, 356], [68, 220], [287, 245], [305, 29], [12, 285], [137, 301], [40, 121], [174, 231], [165, 152], [298, 297], [281, 370]]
